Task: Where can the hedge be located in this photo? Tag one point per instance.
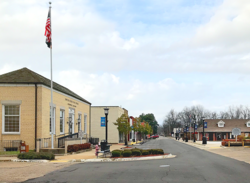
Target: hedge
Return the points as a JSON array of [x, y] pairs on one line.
[[127, 153], [116, 153], [154, 151], [145, 152], [136, 152], [78, 147], [36, 155]]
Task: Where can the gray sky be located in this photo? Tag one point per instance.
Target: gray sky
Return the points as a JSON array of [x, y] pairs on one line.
[[146, 56]]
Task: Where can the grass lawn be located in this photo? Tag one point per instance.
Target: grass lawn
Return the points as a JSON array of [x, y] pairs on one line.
[[11, 152]]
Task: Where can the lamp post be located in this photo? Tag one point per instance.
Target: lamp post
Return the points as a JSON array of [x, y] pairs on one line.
[[186, 133], [106, 112], [194, 126], [70, 125], [204, 139], [79, 124]]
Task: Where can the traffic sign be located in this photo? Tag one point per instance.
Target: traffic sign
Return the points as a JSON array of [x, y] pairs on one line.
[[236, 131]]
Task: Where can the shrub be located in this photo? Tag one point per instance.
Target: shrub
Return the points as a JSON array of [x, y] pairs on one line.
[[160, 151], [78, 147], [35, 155], [121, 151], [154, 151], [136, 152], [127, 153], [145, 152], [150, 151], [116, 153], [241, 137]]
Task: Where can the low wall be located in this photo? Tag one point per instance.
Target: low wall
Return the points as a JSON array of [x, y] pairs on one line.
[[232, 142]]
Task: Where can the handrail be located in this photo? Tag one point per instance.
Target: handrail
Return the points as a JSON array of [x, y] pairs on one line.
[[63, 135], [61, 140]]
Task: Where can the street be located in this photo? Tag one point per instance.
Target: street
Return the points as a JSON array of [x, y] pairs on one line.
[[191, 165]]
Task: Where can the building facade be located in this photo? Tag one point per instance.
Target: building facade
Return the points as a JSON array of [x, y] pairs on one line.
[[25, 110], [98, 128], [219, 129]]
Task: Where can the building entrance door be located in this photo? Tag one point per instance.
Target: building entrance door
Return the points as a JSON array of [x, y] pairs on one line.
[[218, 136], [211, 136]]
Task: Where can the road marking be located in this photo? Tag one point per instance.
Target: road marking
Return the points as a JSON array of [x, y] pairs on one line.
[[164, 166]]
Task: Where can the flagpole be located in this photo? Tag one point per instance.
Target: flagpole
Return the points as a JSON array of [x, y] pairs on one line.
[[51, 88]]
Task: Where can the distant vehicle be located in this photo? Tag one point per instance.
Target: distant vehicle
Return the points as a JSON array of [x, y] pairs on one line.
[[155, 136]]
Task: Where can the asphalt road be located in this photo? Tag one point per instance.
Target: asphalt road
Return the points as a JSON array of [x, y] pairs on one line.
[[191, 165]]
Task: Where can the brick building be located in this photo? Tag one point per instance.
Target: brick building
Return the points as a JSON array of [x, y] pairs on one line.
[[25, 98], [219, 129]]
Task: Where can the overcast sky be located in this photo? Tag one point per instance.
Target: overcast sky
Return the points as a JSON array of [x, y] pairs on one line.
[[147, 56]]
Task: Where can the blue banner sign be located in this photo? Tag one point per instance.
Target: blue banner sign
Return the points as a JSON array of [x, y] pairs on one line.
[[103, 122], [187, 129], [195, 127], [205, 124]]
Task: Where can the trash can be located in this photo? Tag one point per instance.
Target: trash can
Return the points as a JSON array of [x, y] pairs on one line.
[[103, 145]]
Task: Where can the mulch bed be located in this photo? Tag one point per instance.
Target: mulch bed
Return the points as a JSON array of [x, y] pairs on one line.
[[142, 156]]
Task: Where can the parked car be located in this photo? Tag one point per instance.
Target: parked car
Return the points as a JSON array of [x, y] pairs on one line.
[[155, 136]]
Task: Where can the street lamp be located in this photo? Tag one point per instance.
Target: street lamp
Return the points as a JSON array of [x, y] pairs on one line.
[[204, 139], [79, 124], [70, 125], [106, 112], [194, 126], [186, 133]]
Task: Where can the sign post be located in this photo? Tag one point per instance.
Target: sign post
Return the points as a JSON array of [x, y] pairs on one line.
[[236, 132]]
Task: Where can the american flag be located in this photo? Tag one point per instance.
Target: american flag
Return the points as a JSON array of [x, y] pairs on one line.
[[48, 31]]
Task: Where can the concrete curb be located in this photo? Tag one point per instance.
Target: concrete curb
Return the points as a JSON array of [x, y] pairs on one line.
[[123, 159], [94, 160], [30, 161]]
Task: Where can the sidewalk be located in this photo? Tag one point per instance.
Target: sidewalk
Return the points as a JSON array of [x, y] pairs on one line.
[[209, 145], [85, 155]]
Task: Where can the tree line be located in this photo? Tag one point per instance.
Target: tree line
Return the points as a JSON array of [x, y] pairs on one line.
[[175, 119], [145, 124]]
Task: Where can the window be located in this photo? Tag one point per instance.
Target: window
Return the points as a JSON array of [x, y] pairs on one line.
[[79, 122], [221, 124], [85, 123], [11, 119], [54, 111], [62, 121]]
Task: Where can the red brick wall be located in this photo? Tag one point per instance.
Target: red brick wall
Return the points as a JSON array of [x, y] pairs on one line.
[[214, 137]]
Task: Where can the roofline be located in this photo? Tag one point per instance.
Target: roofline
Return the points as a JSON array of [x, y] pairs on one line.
[[105, 106], [44, 85]]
